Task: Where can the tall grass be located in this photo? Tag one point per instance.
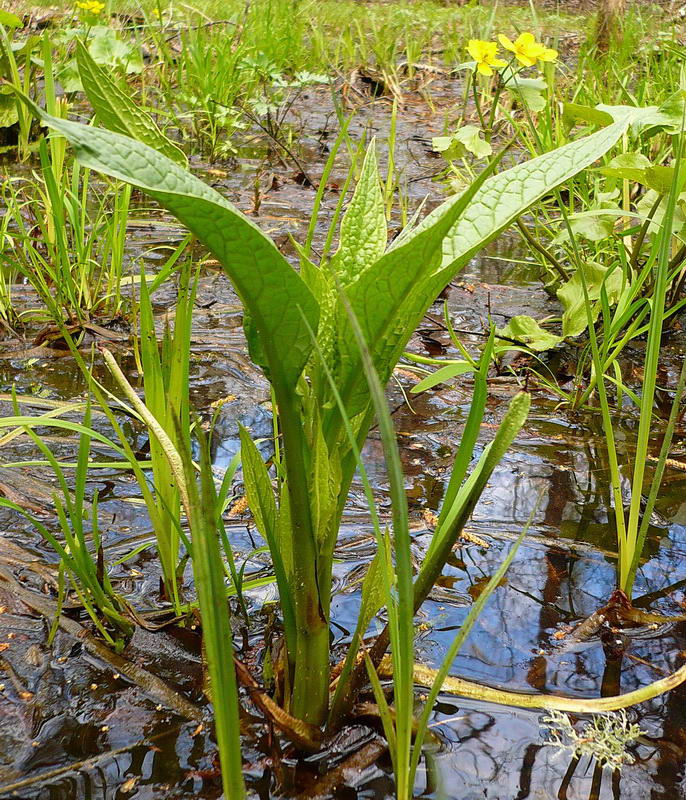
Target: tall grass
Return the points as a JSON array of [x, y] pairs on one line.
[[632, 528]]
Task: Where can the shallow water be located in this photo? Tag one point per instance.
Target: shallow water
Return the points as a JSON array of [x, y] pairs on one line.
[[87, 732]]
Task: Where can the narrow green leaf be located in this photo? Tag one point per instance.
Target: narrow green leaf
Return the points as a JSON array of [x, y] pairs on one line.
[[373, 598], [401, 607], [470, 434], [455, 518], [442, 375], [214, 614], [258, 490], [456, 645], [258, 486]]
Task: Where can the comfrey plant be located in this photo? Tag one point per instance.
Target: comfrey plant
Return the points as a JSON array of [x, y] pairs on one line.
[[328, 338]]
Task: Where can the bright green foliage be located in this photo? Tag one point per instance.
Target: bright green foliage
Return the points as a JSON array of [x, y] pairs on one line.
[[388, 293], [467, 139], [279, 303], [442, 375], [80, 551], [209, 580], [507, 195], [527, 331], [260, 495], [165, 382], [573, 298], [117, 111], [363, 227]]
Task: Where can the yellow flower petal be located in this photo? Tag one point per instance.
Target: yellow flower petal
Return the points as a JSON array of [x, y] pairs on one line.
[[525, 40], [508, 44], [490, 50], [484, 69], [526, 60], [475, 49], [548, 54]]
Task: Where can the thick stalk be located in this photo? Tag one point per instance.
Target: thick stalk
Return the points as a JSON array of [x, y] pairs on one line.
[[311, 678]]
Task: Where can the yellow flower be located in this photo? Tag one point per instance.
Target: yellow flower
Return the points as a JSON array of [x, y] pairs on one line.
[[91, 6], [547, 54], [527, 50], [484, 53]]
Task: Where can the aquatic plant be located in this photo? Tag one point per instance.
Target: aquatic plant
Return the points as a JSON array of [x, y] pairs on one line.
[[18, 70], [301, 329], [165, 384], [632, 528], [605, 738], [80, 551]]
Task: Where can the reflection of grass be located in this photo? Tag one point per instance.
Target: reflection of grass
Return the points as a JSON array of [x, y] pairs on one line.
[[605, 738]]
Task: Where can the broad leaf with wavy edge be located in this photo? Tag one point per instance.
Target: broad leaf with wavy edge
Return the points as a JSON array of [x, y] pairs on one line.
[[391, 297], [282, 308]]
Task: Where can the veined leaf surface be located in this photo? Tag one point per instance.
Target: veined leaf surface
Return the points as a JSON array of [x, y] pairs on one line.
[[363, 227], [506, 196], [391, 297], [282, 309], [118, 112]]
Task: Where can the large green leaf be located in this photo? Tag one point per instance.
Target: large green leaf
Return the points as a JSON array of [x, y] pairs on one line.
[[117, 111], [282, 309], [381, 292], [506, 196], [391, 297]]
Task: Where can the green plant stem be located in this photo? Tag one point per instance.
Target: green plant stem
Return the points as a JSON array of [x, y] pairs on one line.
[[311, 680], [554, 263], [652, 357], [425, 676], [657, 478], [477, 103]]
